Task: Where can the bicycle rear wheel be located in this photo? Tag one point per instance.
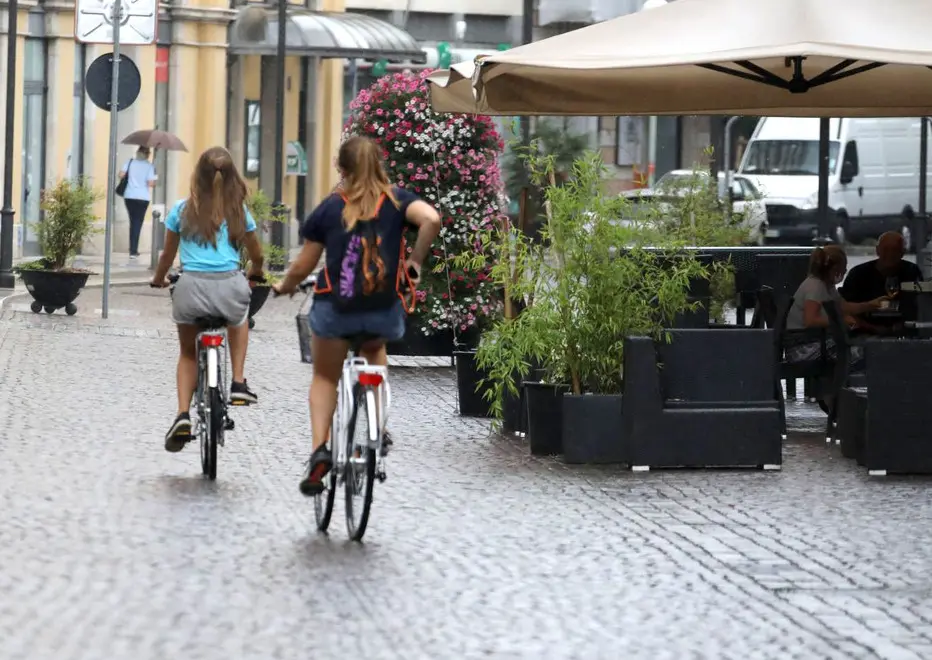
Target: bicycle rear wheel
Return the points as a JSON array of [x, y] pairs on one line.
[[323, 501], [214, 434], [359, 472]]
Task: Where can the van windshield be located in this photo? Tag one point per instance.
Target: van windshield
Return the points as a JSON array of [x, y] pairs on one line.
[[787, 157]]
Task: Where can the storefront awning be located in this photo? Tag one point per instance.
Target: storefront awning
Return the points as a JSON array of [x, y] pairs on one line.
[[332, 34]]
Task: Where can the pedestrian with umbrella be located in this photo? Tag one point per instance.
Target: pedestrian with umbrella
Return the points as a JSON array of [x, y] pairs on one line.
[[138, 177]]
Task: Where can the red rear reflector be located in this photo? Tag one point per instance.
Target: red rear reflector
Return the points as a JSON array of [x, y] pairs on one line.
[[370, 380], [211, 341]]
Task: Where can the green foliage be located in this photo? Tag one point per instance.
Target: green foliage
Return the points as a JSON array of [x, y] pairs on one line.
[[591, 286], [687, 210], [263, 211], [550, 138], [68, 221]]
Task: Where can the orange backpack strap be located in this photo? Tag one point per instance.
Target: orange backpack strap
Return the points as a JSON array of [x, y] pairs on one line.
[[378, 205], [403, 279]]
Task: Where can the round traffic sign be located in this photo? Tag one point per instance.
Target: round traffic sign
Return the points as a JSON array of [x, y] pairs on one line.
[[99, 77]]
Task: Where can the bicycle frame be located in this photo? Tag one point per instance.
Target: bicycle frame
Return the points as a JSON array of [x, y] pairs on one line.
[[210, 344], [378, 395]]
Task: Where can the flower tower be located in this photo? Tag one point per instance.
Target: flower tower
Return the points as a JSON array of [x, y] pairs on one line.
[[452, 162]]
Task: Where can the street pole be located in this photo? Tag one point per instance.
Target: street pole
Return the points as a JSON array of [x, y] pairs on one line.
[[7, 279], [823, 219], [278, 234], [727, 157], [652, 120], [527, 36], [112, 156]]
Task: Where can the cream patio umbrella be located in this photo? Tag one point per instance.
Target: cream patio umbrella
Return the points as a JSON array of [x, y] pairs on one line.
[[451, 89], [831, 58]]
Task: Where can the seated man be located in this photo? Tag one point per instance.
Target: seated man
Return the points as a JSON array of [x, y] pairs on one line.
[[869, 281]]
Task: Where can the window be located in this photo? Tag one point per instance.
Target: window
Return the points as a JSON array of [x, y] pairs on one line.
[[77, 122], [253, 139], [851, 156], [787, 157]]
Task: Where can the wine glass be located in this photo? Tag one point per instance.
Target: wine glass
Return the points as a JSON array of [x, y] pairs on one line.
[[892, 286]]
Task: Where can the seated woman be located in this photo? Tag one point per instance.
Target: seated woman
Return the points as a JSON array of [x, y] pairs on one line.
[[827, 268]]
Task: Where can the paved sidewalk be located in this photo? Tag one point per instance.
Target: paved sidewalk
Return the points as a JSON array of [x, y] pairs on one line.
[[112, 548]]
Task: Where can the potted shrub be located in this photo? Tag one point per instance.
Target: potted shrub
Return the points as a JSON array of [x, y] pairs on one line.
[[592, 284], [276, 257], [505, 254], [68, 221], [451, 160]]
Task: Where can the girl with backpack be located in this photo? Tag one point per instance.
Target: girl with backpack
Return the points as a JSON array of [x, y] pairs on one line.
[[359, 291]]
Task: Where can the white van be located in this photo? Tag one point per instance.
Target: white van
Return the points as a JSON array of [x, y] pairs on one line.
[[873, 187]]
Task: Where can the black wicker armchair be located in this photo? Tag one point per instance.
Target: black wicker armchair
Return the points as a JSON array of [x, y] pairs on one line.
[[705, 399]]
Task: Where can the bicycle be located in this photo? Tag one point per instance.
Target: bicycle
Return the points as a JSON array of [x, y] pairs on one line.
[[210, 398], [357, 429]]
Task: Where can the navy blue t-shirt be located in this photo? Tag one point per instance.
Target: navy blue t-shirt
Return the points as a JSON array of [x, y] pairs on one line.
[[325, 225]]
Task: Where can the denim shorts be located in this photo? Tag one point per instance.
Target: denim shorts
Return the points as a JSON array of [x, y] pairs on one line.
[[328, 322]]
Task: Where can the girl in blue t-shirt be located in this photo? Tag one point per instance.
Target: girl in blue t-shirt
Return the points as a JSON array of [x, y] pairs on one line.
[[208, 229], [361, 226]]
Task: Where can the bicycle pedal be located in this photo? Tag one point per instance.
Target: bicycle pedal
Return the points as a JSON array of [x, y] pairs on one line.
[[229, 425], [239, 403], [381, 476]]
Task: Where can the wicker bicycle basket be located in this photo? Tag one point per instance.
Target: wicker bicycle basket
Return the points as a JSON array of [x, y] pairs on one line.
[[304, 330]]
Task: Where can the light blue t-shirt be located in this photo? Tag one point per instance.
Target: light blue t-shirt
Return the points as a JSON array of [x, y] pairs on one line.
[[139, 173], [206, 258]]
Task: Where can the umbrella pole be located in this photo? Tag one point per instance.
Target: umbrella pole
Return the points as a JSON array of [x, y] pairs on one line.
[[823, 180]]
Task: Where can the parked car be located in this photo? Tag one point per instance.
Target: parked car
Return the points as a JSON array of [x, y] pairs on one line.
[[873, 183], [746, 200]]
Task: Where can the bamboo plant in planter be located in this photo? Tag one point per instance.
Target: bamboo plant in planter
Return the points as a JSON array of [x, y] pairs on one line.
[[508, 256], [588, 294], [68, 221], [276, 258]]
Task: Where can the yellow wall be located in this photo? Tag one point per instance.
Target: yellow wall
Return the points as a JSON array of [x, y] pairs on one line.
[[198, 97]]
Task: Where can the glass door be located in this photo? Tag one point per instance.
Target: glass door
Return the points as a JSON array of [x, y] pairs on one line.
[[32, 172], [33, 157]]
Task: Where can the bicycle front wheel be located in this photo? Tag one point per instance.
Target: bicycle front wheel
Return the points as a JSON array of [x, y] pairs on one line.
[[359, 472], [323, 501], [214, 434]]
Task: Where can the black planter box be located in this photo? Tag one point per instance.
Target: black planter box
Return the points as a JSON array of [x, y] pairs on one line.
[[439, 344], [472, 398], [514, 411], [53, 290], [592, 429], [545, 417]]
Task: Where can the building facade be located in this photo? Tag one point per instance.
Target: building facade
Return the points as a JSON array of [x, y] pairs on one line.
[[199, 84]]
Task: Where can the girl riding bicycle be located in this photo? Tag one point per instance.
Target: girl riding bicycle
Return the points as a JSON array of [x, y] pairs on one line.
[[361, 226], [209, 227]]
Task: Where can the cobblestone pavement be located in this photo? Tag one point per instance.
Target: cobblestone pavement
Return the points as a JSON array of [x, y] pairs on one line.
[[110, 548]]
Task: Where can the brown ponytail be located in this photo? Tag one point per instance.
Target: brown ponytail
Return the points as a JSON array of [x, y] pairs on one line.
[[824, 261], [218, 193]]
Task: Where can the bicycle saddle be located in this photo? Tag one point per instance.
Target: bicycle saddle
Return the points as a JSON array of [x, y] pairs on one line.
[[356, 341], [211, 322]]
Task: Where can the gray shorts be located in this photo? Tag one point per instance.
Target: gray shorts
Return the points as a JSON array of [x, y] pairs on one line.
[[225, 295]]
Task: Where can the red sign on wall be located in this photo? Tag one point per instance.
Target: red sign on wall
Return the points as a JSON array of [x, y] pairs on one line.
[[161, 64]]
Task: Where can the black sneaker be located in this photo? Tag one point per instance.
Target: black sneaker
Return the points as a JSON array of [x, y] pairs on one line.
[[318, 466], [387, 443], [241, 395], [179, 434]]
